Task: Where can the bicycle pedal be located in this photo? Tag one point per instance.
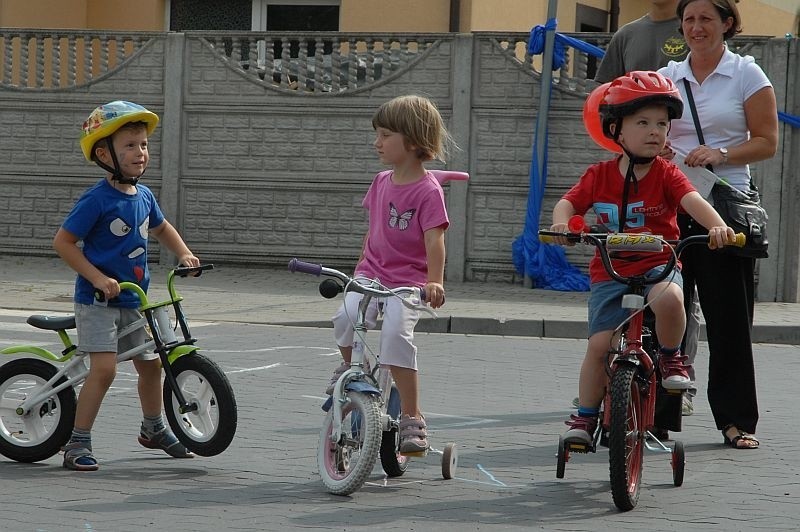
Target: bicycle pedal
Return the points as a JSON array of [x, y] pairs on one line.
[[415, 454], [577, 447]]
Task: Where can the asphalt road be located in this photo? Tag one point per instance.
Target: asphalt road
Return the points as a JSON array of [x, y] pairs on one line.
[[501, 399]]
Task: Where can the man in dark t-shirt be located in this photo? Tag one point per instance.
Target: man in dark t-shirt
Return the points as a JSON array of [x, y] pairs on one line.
[[647, 43]]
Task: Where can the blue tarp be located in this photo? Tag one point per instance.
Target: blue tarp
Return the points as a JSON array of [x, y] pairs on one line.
[[545, 264]]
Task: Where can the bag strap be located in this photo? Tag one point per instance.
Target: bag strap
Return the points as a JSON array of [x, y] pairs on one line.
[[690, 97]]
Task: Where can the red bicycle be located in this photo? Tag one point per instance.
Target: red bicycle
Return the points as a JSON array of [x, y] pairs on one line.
[[629, 407]]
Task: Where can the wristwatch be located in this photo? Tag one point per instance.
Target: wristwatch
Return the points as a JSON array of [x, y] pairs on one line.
[[724, 152]]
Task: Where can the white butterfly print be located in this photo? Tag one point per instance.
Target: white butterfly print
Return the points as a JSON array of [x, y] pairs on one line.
[[400, 220]]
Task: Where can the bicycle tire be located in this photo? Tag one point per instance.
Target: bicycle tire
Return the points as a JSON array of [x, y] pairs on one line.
[[47, 427], [625, 438], [678, 461], [345, 465], [561, 458], [208, 430], [394, 464]]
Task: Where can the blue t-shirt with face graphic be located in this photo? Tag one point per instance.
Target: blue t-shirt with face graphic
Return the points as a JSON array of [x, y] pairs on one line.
[[114, 227]]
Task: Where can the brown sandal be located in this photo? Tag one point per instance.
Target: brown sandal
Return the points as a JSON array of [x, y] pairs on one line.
[[750, 441]]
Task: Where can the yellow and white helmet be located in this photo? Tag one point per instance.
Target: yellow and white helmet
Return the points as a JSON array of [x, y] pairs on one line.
[[108, 118]]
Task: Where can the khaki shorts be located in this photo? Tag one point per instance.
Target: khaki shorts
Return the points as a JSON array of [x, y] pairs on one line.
[[396, 346], [98, 327]]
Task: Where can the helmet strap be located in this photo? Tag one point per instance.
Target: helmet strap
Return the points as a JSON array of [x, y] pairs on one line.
[[630, 177], [116, 173]]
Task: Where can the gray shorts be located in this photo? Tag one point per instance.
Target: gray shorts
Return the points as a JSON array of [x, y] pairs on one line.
[[98, 327]]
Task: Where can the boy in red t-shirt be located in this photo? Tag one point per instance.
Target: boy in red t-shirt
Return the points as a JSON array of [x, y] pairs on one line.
[[636, 110]]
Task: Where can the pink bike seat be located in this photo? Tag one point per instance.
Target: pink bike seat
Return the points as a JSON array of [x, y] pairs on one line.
[[443, 176]]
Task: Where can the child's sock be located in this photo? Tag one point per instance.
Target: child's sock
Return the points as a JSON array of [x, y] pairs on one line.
[[669, 351], [84, 437], [152, 425], [584, 411]]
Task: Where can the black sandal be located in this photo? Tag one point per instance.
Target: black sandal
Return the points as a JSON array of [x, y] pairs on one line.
[[740, 436]]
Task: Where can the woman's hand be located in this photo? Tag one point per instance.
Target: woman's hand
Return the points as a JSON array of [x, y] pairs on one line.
[[703, 156]]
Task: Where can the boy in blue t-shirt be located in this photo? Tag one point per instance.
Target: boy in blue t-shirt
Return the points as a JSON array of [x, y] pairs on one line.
[[113, 220]]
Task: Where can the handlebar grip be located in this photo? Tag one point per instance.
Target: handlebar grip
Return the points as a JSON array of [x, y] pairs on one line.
[[99, 296], [634, 242], [547, 239], [297, 265], [740, 241], [185, 271]]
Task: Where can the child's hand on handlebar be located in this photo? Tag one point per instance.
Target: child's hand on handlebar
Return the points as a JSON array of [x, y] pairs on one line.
[[189, 260], [108, 287], [434, 294], [561, 228], [719, 236]]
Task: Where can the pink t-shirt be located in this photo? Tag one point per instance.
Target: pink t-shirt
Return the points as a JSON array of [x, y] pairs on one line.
[[399, 215], [652, 208]]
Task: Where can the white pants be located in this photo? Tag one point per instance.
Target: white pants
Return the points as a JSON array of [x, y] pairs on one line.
[[396, 346]]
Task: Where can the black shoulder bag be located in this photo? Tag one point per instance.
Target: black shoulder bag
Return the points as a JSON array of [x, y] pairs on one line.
[[741, 210]]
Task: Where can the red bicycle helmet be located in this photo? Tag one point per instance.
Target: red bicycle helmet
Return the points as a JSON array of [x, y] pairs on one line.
[[629, 93]]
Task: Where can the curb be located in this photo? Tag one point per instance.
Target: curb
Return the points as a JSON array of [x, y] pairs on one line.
[[761, 334]]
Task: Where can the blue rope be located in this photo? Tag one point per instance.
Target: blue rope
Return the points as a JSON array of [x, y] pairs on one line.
[[545, 264]]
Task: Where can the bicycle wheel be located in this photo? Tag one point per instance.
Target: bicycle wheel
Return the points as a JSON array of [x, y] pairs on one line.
[[625, 438], [394, 464], [345, 464], [209, 429], [561, 458], [678, 463], [41, 432], [449, 461]]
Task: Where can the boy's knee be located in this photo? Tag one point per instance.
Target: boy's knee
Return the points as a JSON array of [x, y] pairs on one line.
[[148, 368], [103, 375]]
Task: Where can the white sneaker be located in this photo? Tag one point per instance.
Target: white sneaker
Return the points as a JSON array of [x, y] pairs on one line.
[[687, 407]]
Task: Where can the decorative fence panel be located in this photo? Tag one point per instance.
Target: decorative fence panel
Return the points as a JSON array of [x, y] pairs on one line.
[[264, 149]]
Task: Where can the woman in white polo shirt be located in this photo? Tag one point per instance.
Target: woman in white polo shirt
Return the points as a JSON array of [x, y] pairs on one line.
[[738, 116]]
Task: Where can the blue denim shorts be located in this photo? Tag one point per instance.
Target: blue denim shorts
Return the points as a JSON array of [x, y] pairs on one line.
[[605, 301]]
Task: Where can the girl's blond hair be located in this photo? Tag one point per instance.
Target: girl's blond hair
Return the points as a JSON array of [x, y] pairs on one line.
[[419, 121]]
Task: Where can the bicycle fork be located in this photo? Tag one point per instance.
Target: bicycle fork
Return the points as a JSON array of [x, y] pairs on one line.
[[350, 378]]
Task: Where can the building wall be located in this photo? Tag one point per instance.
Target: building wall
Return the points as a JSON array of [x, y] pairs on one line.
[[145, 15], [381, 16], [761, 17]]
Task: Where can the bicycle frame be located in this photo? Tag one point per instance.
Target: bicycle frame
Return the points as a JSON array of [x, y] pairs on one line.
[[632, 352], [355, 378], [163, 342]]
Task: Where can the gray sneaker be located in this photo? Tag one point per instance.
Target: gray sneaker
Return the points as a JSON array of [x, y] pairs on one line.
[[335, 377], [687, 407]]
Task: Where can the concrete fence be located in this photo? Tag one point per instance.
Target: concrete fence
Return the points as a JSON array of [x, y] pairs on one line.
[[264, 149]]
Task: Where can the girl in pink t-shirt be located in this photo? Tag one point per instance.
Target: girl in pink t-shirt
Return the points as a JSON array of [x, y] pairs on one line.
[[404, 246]]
